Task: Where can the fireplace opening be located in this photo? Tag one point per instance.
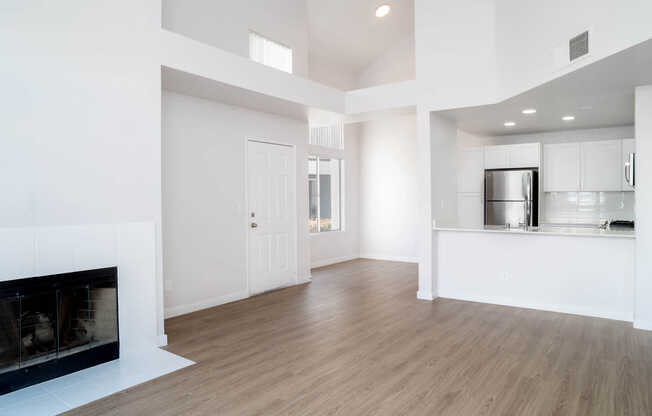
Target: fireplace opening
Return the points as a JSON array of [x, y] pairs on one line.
[[55, 325]]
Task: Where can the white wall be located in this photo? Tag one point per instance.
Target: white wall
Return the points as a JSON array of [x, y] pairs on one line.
[[397, 63], [443, 137], [204, 215], [529, 31], [510, 270], [335, 247], [455, 52], [643, 311], [80, 127], [226, 24], [565, 136], [389, 189], [474, 52]]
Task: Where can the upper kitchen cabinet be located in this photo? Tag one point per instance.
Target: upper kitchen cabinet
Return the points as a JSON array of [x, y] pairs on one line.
[[496, 157], [561, 171], [526, 155], [470, 173], [601, 166], [629, 147]]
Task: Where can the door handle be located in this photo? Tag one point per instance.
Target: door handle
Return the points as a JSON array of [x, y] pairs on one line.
[[254, 225], [627, 173]]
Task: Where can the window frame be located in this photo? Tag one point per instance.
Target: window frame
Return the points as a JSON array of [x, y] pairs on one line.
[[273, 42], [341, 173]]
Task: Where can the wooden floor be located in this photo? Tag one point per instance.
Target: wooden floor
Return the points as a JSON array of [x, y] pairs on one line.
[[357, 342]]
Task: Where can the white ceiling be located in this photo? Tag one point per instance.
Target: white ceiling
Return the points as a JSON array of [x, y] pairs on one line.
[[348, 33], [598, 95]]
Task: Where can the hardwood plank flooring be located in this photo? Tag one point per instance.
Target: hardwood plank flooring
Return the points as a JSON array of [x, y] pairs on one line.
[[357, 342]]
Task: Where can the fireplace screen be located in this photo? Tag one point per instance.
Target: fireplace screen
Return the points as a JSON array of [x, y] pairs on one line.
[[43, 320]]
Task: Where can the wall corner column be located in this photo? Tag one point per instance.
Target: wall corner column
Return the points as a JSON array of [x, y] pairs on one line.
[[643, 280], [427, 285]]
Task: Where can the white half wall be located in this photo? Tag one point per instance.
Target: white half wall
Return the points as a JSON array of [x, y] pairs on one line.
[[338, 246], [80, 122], [204, 214], [226, 24], [643, 312], [513, 270], [390, 198]]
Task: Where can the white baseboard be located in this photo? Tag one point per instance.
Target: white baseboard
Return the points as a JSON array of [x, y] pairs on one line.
[[383, 257], [334, 260], [162, 341], [568, 309], [306, 279], [426, 296], [204, 304], [643, 325]]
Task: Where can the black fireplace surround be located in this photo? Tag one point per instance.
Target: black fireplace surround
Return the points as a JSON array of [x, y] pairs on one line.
[[51, 326]]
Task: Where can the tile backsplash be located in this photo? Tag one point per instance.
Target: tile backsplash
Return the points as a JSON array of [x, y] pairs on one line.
[[587, 207]]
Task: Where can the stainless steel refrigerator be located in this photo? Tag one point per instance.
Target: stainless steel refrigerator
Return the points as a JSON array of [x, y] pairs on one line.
[[511, 197]]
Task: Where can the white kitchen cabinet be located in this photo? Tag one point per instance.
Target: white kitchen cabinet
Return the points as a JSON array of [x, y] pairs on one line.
[[496, 157], [470, 210], [470, 171], [561, 171], [601, 166], [629, 146], [526, 155]]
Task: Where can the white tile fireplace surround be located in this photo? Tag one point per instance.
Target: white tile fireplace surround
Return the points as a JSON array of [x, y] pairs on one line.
[[41, 251]]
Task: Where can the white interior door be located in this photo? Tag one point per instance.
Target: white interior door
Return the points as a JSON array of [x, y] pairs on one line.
[[271, 191]]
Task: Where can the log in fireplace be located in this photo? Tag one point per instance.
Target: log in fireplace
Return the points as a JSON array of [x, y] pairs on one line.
[[51, 326]]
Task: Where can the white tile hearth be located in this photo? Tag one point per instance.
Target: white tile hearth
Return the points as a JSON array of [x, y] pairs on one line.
[[74, 390]]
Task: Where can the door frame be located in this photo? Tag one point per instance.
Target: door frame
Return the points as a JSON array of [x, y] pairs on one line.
[[295, 213]]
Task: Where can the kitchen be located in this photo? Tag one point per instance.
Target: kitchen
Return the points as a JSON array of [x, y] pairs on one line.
[[561, 257], [541, 211]]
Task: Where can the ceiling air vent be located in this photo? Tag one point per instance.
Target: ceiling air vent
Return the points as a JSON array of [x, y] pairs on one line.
[[579, 46]]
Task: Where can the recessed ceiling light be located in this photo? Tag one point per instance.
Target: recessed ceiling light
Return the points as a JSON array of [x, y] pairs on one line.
[[568, 118], [509, 124], [383, 10], [529, 111]]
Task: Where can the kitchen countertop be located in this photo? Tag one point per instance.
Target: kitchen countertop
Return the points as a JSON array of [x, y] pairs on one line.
[[545, 229]]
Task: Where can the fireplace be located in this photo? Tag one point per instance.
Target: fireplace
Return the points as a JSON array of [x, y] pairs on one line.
[[51, 326]]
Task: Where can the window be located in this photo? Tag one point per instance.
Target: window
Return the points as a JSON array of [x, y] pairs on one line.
[[270, 53], [325, 194], [328, 136]]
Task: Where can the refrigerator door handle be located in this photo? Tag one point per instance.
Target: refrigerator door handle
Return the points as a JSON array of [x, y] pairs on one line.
[[527, 215], [632, 169]]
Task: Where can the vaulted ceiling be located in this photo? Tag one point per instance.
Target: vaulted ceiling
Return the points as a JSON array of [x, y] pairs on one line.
[[348, 33]]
